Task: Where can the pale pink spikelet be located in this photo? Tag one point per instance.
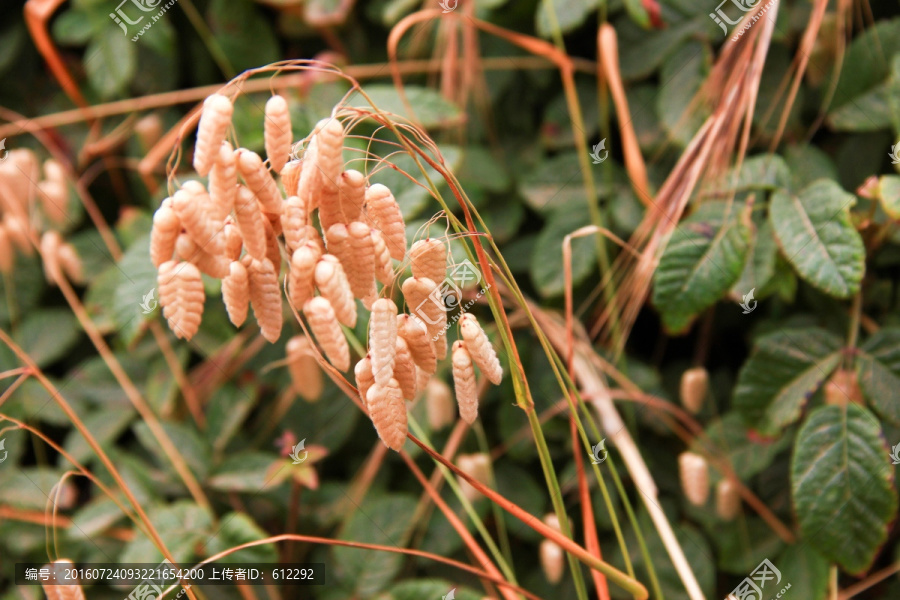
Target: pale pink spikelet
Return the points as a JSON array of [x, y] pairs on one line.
[[552, 556], [294, 219], [50, 243], [273, 250], [428, 259], [265, 298], [250, 222], [259, 180], [694, 472], [223, 181], [277, 132], [464, 381], [478, 467], [439, 404], [361, 272], [405, 369], [384, 266], [181, 295], [364, 378], [323, 163], [333, 284], [352, 193], [479, 346], [425, 301], [301, 281], [54, 197], [306, 375], [313, 235], [728, 499], [212, 264], [290, 177], [385, 215], [327, 330], [233, 241], [413, 330], [7, 258], [388, 413], [215, 119], [193, 207], [383, 339], [70, 263], [17, 229], [236, 293], [440, 346], [164, 233]]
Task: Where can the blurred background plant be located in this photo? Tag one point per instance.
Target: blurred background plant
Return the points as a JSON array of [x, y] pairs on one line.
[[762, 165]]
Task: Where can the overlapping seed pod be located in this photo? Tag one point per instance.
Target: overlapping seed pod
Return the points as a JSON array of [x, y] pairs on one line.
[[385, 215], [166, 227], [17, 229], [464, 382], [480, 348], [306, 375], [327, 331], [50, 243], [181, 295], [290, 177], [301, 282], [428, 259], [192, 205], [388, 412], [294, 219], [54, 197], [413, 330], [424, 300], [234, 244], [273, 250], [384, 267], [694, 472], [362, 250], [215, 119], [70, 263], [265, 298], [352, 195], [383, 339], [333, 284], [694, 389], [552, 556], [323, 164], [259, 181], [212, 264], [440, 407], [728, 499], [277, 132], [7, 259], [250, 223], [223, 181], [236, 293], [364, 377], [405, 369], [478, 467]]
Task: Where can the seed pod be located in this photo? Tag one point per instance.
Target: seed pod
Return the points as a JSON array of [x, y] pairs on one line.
[[388, 413], [428, 259], [551, 554], [54, 197], [223, 181], [332, 284], [7, 258], [306, 375], [265, 298], [323, 162], [273, 250], [59, 569], [424, 300], [214, 121], [464, 381], [694, 477], [362, 249], [480, 348], [290, 177], [278, 133], [166, 227], [385, 215], [352, 193], [384, 266], [250, 222], [439, 405], [413, 330], [53, 171], [213, 265], [478, 467], [694, 389], [193, 206], [149, 130], [233, 242], [50, 243], [364, 378], [325, 327], [405, 370], [236, 293], [301, 282], [70, 263], [383, 339], [17, 228], [258, 179], [329, 209], [294, 219], [422, 379], [728, 500], [312, 235], [843, 387], [181, 295]]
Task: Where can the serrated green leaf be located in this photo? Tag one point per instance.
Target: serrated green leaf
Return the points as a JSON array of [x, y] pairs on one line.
[[47, 335], [703, 259], [190, 446], [547, 256], [804, 569], [870, 111], [817, 236], [878, 368], [110, 61], [764, 172], [430, 108], [808, 163], [760, 264], [842, 485], [782, 374], [378, 522], [683, 72]]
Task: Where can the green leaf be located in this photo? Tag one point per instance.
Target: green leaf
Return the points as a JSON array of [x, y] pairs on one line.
[[878, 368], [21, 289], [248, 472], [870, 111], [647, 51], [136, 278], [105, 425], [782, 374], [29, 487], [73, 27], [764, 172], [48, 335], [804, 569], [808, 163], [747, 455], [889, 194], [842, 485], [225, 413], [555, 183], [562, 15], [110, 62], [413, 197], [431, 109], [683, 72], [547, 256], [417, 589], [380, 521], [243, 33], [238, 528], [94, 517], [817, 236], [703, 259], [183, 527], [184, 437], [760, 265]]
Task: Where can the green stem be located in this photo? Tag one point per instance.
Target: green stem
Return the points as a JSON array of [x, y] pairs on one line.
[[208, 39]]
